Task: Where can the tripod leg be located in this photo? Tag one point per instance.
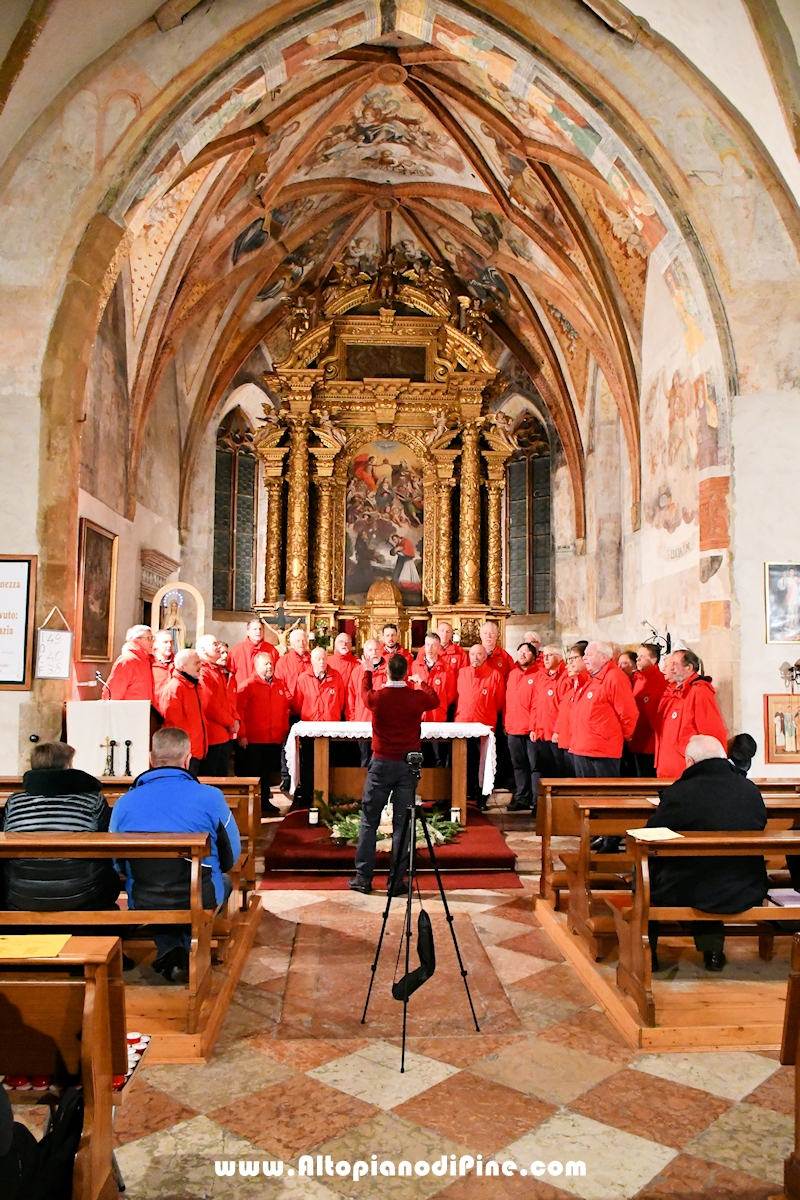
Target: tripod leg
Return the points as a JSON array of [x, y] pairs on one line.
[[448, 914], [374, 966], [411, 818]]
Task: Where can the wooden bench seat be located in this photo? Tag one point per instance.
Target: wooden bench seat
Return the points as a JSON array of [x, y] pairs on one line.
[[193, 846], [632, 913], [242, 793], [65, 1017]]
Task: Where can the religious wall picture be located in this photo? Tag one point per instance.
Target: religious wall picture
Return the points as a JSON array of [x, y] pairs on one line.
[[782, 728], [783, 601], [97, 587], [384, 521], [17, 605]]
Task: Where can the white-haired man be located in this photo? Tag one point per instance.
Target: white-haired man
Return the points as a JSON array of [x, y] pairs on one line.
[[604, 716], [162, 665], [710, 795], [288, 669], [183, 708], [219, 710], [131, 676], [343, 660], [242, 657]]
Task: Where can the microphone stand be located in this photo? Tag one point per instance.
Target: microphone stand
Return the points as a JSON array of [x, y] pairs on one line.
[[414, 812]]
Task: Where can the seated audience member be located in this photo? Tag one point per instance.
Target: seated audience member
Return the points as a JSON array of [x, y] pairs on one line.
[[552, 685], [481, 693], [162, 665], [131, 676], [649, 685], [264, 713], [57, 799], [710, 794], [690, 709], [519, 719], [183, 707], [242, 657], [219, 707], [168, 799], [740, 752]]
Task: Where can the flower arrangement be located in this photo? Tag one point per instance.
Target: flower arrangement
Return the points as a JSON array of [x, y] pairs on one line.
[[342, 815]]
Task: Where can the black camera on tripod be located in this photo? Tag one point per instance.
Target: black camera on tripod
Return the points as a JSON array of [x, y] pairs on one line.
[[414, 762]]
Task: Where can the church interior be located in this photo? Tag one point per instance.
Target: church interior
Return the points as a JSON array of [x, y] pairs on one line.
[[410, 315]]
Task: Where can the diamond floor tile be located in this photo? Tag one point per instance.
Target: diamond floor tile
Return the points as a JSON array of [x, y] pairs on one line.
[[728, 1074], [373, 1074]]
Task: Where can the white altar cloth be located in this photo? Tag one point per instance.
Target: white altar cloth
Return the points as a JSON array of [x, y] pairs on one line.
[[429, 731]]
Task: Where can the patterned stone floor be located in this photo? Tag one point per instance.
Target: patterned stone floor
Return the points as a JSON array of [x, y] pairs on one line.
[[548, 1078]]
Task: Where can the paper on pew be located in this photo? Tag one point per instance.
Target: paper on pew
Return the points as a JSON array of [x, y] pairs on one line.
[[661, 834], [33, 945]]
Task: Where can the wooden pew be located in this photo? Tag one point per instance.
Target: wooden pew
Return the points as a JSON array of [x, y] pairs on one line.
[[633, 912], [590, 875], [556, 815], [790, 1045], [65, 1017], [194, 846], [243, 794]]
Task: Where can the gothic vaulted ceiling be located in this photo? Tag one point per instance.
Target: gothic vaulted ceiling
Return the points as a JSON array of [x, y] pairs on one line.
[[338, 143]]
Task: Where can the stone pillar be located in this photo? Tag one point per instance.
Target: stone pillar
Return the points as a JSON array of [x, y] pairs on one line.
[[470, 531], [324, 542], [494, 547], [274, 556], [445, 563], [297, 516]]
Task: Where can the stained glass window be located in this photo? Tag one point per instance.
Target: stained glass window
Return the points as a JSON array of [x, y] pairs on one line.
[[528, 530], [234, 514]]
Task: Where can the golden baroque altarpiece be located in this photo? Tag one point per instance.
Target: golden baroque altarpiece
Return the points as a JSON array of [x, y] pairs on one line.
[[405, 369]]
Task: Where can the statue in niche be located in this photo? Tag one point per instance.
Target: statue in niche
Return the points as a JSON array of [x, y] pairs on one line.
[[173, 621]]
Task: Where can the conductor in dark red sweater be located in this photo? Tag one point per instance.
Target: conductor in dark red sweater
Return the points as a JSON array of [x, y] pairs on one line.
[[397, 712]]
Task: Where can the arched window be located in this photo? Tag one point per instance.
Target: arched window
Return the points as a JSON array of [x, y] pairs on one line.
[[528, 531], [234, 514]]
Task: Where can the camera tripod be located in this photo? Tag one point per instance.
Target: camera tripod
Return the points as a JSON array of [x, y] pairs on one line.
[[414, 812]]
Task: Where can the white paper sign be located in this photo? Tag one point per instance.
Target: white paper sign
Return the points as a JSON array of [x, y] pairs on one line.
[[14, 577], [54, 654]]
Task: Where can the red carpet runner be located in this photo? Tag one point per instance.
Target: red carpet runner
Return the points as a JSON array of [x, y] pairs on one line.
[[304, 856]]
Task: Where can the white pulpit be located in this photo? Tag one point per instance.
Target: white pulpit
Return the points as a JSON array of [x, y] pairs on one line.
[[93, 724]]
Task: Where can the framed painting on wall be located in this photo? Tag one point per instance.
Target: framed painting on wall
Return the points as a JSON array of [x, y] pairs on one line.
[[97, 588], [782, 728], [782, 598], [17, 605]]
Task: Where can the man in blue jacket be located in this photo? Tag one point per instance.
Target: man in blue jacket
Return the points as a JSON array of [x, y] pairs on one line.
[[168, 799]]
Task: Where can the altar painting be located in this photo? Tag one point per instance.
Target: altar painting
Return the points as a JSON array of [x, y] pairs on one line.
[[384, 521]]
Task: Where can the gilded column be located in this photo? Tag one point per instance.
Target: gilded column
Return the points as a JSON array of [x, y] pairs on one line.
[[297, 517], [494, 547], [445, 563], [430, 571], [470, 530], [323, 548], [272, 574]]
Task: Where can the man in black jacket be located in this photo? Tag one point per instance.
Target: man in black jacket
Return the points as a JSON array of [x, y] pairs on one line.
[[710, 794], [57, 799]]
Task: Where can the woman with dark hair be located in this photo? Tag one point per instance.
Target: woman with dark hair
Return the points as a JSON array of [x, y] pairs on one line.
[[57, 799]]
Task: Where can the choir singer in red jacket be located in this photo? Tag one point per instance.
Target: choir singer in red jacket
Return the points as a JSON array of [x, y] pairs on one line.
[[397, 712]]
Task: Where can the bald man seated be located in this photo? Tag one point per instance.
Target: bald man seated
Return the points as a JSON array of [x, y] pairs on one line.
[[712, 795]]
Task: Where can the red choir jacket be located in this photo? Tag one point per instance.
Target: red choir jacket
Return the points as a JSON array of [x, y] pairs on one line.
[[648, 688], [520, 699], [288, 670], [566, 712], [355, 707], [219, 710], [501, 661], [240, 659], [162, 675], [605, 714], [320, 699], [131, 676], [455, 656], [264, 711], [692, 708], [439, 677], [387, 654], [345, 664], [481, 693], [550, 691], [183, 709]]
